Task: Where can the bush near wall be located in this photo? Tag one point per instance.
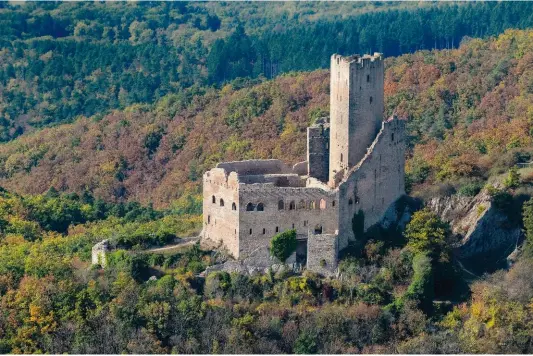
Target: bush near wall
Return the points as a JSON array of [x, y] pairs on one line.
[[283, 245]]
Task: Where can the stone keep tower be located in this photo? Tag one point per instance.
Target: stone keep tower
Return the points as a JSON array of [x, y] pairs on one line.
[[356, 109]]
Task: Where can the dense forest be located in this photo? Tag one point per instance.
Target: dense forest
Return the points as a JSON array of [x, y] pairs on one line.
[[59, 61], [402, 292], [468, 111], [145, 97]]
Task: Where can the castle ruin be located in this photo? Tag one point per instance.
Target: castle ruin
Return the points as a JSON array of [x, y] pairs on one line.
[[353, 174]]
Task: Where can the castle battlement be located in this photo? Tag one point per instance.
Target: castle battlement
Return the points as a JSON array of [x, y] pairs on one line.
[[355, 165], [356, 62]]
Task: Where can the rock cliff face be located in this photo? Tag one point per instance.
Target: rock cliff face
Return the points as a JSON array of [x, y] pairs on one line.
[[481, 227]]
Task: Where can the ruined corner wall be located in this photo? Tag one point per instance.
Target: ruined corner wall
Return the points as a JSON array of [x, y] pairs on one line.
[[322, 252], [310, 208], [376, 182], [221, 208], [99, 252], [318, 152]]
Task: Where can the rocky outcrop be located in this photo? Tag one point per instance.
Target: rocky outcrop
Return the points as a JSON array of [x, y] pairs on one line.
[[480, 227], [258, 262]]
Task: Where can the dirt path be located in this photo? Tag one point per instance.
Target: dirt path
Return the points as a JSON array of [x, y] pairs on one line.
[[186, 241]]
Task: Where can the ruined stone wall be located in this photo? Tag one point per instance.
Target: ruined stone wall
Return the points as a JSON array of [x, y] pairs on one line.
[[99, 252], [318, 152], [256, 166], [356, 108], [376, 182], [281, 180], [221, 208], [322, 252], [283, 209]]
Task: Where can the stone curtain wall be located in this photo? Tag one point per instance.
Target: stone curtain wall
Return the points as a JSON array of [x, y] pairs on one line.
[[302, 209], [322, 252], [221, 223], [256, 166], [376, 182]]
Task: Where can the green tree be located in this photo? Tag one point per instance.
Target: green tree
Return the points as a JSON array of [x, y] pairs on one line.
[[283, 245], [426, 232], [527, 216], [306, 344], [512, 180]]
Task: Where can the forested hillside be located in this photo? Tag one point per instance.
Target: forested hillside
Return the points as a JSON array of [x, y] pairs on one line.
[[62, 60], [468, 110], [156, 86]]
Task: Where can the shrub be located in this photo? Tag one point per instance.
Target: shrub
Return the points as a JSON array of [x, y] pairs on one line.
[[527, 214], [283, 245], [470, 189], [421, 287], [502, 200], [480, 210]]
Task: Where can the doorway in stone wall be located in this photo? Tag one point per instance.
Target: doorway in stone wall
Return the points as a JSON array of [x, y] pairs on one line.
[[301, 252]]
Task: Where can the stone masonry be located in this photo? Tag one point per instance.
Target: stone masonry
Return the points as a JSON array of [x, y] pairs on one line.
[[355, 165], [99, 252]]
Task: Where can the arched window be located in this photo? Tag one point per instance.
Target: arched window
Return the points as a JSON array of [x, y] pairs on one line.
[[292, 205], [323, 204], [249, 207], [221, 202], [371, 99], [250, 231], [264, 231], [341, 157], [333, 203], [281, 205], [350, 201], [301, 204], [312, 204], [277, 228], [260, 207], [318, 229], [368, 78], [213, 199], [392, 136], [233, 206]]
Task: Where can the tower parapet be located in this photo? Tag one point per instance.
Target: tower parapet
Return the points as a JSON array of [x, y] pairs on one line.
[[356, 108]]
